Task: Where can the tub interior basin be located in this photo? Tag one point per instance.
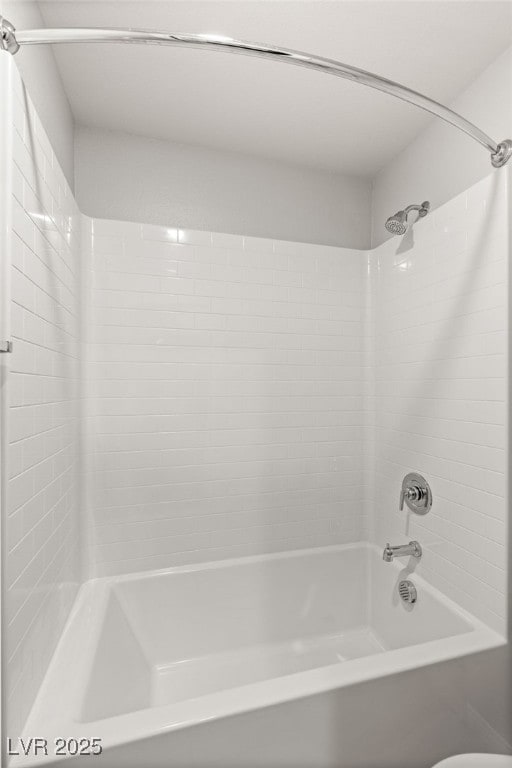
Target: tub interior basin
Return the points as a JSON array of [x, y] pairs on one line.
[[186, 633]]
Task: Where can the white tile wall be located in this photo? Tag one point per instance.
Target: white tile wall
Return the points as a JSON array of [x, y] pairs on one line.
[[226, 395], [250, 395], [440, 336], [41, 515]]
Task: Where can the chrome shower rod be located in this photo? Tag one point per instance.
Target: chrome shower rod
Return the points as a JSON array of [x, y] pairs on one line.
[[11, 40]]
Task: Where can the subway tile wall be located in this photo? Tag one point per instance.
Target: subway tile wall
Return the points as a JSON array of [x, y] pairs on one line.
[[440, 392], [226, 396], [41, 515]]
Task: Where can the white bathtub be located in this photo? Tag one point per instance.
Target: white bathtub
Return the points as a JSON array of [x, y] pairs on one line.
[[299, 659]]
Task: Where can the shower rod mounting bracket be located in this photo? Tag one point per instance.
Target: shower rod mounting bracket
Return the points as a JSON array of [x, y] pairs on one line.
[[11, 41], [503, 154], [8, 40]]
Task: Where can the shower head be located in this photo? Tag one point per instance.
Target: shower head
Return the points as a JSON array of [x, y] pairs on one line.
[[398, 224]]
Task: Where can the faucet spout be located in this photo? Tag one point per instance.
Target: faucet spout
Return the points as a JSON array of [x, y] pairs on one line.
[[412, 549]]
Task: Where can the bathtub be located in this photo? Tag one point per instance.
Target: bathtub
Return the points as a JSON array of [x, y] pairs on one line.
[[306, 658]]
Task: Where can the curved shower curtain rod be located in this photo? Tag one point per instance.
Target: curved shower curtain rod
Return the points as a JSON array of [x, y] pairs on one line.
[[11, 40]]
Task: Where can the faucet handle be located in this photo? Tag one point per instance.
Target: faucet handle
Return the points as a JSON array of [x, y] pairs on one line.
[[412, 493], [416, 493]]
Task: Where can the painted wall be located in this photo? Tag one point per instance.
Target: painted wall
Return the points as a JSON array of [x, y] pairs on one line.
[[41, 76], [226, 398], [443, 162], [41, 515], [440, 325], [253, 196], [131, 178]]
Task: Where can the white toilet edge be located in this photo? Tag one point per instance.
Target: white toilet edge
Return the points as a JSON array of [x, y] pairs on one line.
[[474, 760]]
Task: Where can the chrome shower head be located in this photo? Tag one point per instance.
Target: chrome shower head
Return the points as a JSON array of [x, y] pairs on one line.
[[398, 224]]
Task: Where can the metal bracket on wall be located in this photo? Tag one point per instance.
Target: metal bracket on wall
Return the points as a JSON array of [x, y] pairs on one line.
[[8, 40], [5, 346]]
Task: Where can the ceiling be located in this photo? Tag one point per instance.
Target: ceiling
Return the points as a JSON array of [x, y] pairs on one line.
[[263, 108]]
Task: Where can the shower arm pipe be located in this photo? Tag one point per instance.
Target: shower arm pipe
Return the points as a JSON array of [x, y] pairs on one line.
[[11, 40]]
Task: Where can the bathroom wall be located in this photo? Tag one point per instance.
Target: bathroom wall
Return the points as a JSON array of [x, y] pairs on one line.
[[200, 188], [226, 396], [442, 162], [39, 71], [40, 411], [204, 189], [440, 346], [207, 350], [241, 393]]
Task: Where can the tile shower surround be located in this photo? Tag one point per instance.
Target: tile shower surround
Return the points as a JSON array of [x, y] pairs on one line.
[[440, 392], [41, 553], [226, 396], [243, 396], [248, 395]]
